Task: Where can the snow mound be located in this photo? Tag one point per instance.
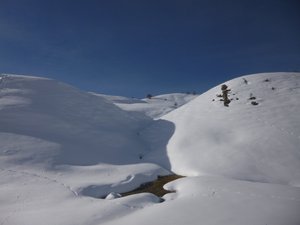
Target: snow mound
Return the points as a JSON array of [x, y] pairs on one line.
[[47, 122], [255, 142]]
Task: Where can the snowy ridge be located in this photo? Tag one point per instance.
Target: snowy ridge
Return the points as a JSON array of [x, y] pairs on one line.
[[119, 99], [154, 107], [66, 154]]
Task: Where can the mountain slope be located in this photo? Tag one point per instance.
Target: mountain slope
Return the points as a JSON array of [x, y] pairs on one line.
[[243, 141], [154, 107], [64, 125], [62, 149], [65, 154]]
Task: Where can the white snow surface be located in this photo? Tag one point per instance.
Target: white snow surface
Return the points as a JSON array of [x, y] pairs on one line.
[[243, 141], [66, 154], [154, 107]]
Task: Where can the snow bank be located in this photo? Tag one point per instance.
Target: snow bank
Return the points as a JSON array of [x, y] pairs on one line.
[[219, 201]]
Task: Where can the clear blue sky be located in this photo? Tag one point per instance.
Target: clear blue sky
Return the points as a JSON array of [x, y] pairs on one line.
[[135, 47]]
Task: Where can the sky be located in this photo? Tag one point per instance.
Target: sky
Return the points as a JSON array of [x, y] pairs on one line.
[[138, 47]]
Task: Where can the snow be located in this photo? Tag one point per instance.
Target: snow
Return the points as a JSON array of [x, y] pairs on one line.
[[257, 143], [113, 195], [215, 200], [53, 112], [154, 107], [66, 155]]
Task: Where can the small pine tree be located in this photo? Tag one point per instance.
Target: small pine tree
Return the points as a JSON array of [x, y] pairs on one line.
[[225, 92]]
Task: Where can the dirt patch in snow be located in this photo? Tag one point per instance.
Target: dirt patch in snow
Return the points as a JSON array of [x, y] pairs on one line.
[[154, 187]]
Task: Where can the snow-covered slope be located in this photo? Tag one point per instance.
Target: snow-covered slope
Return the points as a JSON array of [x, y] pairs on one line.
[[243, 141], [59, 123], [61, 149], [154, 107]]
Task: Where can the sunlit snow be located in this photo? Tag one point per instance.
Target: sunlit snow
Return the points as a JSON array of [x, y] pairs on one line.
[[67, 154]]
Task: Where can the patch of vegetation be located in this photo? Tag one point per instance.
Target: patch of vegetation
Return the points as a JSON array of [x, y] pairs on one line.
[[251, 97], [154, 187], [225, 95], [149, 96], [245, 81]]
